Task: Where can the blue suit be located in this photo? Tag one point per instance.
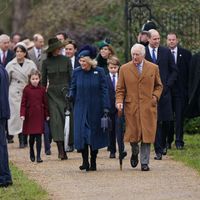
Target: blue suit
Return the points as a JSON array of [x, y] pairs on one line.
[[116, 121], [5, 175], [9, 57], [90, 95], [168, 74]]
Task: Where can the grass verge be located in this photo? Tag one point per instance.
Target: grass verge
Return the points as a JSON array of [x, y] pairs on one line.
[[190, 155], [22, 188]]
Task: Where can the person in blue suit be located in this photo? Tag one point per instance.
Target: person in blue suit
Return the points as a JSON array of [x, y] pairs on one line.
[[5, 175], [89, 93], [112, 77], [163, 57]]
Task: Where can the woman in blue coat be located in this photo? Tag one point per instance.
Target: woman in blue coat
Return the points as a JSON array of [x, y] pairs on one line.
[[89, 93]]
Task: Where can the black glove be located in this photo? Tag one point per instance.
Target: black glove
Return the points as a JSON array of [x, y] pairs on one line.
[[106, 111], [69, 98]]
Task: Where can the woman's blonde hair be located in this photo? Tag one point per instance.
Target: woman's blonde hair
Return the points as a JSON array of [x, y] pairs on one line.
[[34, 72], [92, 62]]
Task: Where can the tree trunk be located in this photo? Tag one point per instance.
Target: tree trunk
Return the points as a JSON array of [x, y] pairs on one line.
[[21, 9]]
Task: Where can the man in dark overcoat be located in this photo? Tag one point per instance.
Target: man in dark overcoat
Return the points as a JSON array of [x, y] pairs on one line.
[[5, 175], [193, 109], [182, 59], [168, 73]]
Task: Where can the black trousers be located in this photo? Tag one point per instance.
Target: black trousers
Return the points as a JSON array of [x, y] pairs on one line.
[[176, 126], [5, 175], [163, 128]]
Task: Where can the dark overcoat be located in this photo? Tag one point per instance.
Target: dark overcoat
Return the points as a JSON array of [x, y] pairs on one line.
[[56, 74], [193, 109], [34, 108], [90, 95], [9, 57], [168, 74]]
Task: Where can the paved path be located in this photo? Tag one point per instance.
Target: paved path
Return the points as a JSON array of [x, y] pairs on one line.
[[167, 180]]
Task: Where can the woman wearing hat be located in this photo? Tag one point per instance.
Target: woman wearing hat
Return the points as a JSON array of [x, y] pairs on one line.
[[89, 94], [56, 71], [18, 70], [105, 52]]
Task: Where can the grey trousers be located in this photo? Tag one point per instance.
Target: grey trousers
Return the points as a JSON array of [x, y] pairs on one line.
[[144, 151]]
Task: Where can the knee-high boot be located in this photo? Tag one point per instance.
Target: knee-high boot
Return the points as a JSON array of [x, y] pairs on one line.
[[61, 153], [38, 148], [21, 141], [93, 153], [85, 164]]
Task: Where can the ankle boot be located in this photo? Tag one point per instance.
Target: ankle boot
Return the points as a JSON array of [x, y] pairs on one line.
[[21, 141], [85, 164], [93, 166], [61, 153]]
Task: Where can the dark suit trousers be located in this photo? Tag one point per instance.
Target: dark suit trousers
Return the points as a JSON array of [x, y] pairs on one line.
[[5, 175], [116, 133], [162, 131], [179, 105]]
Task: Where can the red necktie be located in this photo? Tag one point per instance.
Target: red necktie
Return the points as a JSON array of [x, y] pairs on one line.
[[4, 58]]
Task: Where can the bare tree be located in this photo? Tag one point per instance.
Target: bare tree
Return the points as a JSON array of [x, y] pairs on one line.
[[21, 9]]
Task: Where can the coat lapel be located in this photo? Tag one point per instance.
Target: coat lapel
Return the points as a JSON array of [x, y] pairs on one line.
[[144, 70], [133, 69]]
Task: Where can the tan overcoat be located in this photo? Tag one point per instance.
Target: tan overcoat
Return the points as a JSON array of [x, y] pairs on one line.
[[137, 91]]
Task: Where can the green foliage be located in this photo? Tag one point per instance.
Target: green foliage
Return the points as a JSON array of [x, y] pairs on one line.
[[22, 188], [190, 155], [192, 126]]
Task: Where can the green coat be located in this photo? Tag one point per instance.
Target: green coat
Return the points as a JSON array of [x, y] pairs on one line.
[[57, 70]]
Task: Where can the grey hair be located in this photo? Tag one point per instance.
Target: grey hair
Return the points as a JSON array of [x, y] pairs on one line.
[[140, 47], [4, 37]]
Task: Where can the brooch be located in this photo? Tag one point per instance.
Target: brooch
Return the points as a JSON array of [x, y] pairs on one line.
[[96, 72]]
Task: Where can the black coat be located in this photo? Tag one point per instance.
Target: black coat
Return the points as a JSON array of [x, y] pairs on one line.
[[168, 75], [180, 88], [193, 109], [9, 57]]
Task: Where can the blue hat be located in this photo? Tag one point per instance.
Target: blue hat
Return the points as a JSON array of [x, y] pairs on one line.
[[87, 51]]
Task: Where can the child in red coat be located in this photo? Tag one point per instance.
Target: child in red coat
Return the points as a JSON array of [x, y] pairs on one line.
[[34, 112]]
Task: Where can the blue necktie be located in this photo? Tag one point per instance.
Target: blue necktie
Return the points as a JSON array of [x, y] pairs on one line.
[[173, 53], [153, 55], [139, 68], [113, 80]]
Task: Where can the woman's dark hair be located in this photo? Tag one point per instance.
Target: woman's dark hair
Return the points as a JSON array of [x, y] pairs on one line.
[[23, 50]]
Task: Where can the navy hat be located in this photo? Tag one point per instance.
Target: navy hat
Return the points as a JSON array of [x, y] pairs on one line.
[[87, 51], [149, 25]]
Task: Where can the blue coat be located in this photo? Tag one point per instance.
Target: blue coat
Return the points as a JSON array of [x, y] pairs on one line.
[[4, 84], [168, 74], [90, 95]]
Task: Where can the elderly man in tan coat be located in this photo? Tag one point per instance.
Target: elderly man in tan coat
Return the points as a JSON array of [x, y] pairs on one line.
[[138, 91]]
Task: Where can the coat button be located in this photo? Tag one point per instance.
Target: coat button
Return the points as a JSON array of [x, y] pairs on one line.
[[18, 81]]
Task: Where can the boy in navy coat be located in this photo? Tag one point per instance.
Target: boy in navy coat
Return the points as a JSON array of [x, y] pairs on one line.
[[112, 77]]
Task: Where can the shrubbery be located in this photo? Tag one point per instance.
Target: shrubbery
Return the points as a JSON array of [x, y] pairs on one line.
[[192, 126]]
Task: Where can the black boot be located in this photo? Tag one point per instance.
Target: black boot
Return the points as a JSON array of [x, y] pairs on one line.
[[21, 141], [85, 165], [25, 140], [31, 145], [38, 148], [61, 153], [93, 166]]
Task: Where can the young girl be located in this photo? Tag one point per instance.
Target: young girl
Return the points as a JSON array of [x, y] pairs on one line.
[[33, 112]]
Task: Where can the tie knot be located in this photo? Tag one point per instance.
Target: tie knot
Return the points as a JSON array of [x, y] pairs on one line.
[[173, 51], [113, 75]]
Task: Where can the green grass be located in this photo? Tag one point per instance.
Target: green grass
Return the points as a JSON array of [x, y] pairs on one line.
[[22, 188], [190, 155]]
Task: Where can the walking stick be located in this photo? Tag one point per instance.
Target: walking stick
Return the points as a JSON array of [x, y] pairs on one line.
[[120, 137]]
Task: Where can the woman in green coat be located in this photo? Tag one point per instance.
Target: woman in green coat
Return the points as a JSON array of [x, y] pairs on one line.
[[56, 76]]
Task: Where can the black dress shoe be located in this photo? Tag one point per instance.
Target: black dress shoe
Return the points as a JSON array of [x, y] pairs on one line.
[[179, 147], [164, 151], [134, 160], [85, 167], [112, 155], [3, 185], [158, 157], [48, 152], [39, 160], [93, 168], [123, 155], [145, 167]]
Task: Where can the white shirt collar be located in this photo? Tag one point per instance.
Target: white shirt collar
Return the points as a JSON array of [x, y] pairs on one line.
[[73, 61]]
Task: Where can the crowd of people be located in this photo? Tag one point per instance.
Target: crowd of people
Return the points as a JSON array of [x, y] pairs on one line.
[[150, 96]]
